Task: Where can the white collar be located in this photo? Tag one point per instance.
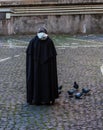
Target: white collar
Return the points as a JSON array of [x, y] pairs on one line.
[[42, 35]]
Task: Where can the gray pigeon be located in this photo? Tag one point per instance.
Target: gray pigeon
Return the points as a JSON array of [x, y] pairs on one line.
[[78, 95]]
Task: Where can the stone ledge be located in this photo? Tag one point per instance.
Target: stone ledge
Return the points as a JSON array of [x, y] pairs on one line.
[[53, 10], [46, 2], [5, 10], [58, 10]]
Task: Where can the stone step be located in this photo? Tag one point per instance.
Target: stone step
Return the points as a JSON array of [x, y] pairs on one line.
[[47, 2], [58, 10], [53, 10]]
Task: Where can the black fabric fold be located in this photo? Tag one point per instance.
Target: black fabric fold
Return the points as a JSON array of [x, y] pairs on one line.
[[41, 50], [41, 71]]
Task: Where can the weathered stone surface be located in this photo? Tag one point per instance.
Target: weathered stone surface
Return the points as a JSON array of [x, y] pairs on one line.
[[81, 64], [25, 2], [64, 16], [2, 16], [70, 24]]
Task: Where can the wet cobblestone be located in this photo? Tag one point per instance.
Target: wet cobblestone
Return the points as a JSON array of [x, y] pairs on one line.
[[79, 64]]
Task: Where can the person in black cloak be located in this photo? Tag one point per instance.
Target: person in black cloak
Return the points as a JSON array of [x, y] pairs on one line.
[[41, 70]]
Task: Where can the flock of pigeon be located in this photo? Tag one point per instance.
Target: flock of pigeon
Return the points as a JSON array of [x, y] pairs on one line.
[[74, 92]]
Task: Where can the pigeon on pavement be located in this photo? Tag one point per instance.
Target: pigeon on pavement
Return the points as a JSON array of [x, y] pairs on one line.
[[78, 95], [76, 86], [71, 92], [85, 91]]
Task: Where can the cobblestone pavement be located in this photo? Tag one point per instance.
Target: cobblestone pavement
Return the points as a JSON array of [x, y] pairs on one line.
[[81, 64]]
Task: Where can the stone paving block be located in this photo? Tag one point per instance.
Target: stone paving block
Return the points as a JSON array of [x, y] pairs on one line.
[[79, 64]]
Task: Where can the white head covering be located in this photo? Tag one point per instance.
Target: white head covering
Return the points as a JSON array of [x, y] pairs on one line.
[[42, 33]]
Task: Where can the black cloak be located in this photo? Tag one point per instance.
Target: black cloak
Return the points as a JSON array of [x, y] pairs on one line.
[[41, 71]]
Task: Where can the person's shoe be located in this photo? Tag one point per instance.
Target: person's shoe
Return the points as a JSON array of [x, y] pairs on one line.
[[30, 103], [37, 103]]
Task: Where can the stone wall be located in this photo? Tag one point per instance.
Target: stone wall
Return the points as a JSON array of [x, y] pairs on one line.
[[69, 19], [72, 24]]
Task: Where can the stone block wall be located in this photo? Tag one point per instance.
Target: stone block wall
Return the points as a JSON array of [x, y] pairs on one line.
[[21, 19], [72, 24]]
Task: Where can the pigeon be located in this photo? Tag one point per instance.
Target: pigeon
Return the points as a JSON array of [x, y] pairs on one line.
[[78, 95], [60, 87], [85, 90], [76, 86], [71, 92]]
